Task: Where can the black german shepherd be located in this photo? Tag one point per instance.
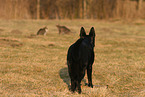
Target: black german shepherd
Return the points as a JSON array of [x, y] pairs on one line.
[[81, 57]]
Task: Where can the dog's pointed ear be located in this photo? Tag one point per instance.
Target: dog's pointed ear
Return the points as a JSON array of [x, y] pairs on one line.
[[82, 33], [92, 32], [92, 35]]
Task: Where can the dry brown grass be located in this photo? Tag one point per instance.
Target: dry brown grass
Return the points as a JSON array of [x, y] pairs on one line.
[[36, 65]]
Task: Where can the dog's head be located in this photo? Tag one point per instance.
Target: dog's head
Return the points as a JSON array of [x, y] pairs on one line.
[[90, 37]]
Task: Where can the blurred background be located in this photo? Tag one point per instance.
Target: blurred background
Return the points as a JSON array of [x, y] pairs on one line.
[[72, 9]]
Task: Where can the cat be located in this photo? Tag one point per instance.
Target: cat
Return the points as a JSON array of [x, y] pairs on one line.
[[42, 31]]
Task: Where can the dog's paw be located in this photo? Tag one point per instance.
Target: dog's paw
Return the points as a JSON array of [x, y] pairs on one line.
[[90, 85]]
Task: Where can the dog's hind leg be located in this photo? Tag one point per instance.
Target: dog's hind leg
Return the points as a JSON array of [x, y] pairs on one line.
[[79, 87], [73, 85], [89, 74]]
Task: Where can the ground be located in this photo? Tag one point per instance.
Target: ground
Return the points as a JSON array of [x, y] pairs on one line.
[[33, 65]]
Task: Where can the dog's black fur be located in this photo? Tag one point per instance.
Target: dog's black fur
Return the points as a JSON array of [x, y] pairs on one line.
[[81, 57]]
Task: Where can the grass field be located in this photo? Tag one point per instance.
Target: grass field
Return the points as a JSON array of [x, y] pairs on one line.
[[36, 65]]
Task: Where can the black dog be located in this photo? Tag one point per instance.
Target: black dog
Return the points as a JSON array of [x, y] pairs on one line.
[[81, 57]]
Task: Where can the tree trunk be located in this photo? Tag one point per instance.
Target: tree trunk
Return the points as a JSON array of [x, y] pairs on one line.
[[139, 5], [38, 9], [85, 9], [81, 9]]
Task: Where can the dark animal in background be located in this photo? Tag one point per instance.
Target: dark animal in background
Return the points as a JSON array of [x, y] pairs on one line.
[[42, 31], [63, 29], [81, 57]]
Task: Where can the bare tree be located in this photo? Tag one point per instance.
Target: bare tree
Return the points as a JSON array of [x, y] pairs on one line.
[[71, 9], [139, 4], [85, 9], [139, 7], [38, 9], [14, 9]]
